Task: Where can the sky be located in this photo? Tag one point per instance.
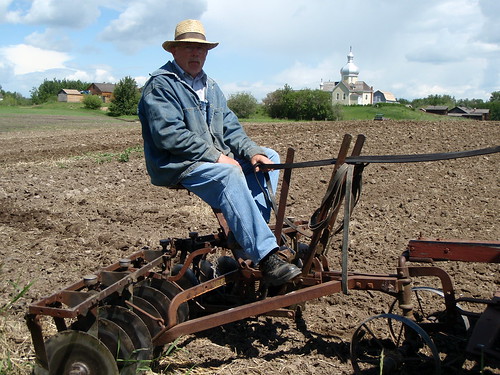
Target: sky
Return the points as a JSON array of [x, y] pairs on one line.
[[411, 48]]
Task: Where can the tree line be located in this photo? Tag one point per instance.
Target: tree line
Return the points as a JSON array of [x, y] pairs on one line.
[[285, 103]]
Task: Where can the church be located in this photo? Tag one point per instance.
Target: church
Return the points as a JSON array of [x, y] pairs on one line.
[[349, 90]]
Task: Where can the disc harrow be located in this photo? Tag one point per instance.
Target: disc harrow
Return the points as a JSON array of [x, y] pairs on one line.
[[115, 320]]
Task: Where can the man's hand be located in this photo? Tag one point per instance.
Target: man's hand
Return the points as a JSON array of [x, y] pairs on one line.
[[227, 160], [260, 159]]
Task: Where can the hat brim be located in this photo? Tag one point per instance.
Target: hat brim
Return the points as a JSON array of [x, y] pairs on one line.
[[167, 45]]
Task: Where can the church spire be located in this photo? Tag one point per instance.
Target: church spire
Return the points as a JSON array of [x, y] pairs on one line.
[[350, 71]]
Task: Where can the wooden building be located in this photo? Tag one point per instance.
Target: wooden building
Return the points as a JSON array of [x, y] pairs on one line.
[[383, 97], [436, 109], [473, 113], [69, 96], [104, 90]]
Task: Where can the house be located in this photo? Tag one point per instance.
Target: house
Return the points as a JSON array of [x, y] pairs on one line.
[[383, 97], [473, 113], [69, 96], [349, 90], [436, 109], [104, 90]]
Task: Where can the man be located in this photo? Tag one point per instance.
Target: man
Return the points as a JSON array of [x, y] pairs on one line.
[[193, 139]]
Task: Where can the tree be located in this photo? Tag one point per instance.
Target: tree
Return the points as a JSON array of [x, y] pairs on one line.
[[48, 90], [495, 96], [125, 98], [92, 102], [13, 98], [301, 104], [243, 104]]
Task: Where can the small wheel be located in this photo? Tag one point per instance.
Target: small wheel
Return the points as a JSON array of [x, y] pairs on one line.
[[75, 352], [448, 329], [375, 350], [429, 307]]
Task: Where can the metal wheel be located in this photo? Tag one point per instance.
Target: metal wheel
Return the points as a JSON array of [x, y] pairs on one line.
[[448, 329], [410, 350], [79, 353], [429, 307]]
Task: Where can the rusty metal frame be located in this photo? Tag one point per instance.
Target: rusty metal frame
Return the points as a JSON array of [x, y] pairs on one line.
[[316, 280]]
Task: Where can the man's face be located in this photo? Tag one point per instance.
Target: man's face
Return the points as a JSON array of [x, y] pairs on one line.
[[190, 57]]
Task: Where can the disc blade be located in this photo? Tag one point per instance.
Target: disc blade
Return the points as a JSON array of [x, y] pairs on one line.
[[119, 344], [155, 297], [135, 328], [72, 351], [171, 290], [149, 315]]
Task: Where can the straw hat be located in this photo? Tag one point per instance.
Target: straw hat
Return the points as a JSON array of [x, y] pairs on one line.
[[189, 31]]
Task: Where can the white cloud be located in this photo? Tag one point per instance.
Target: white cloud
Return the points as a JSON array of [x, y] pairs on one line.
[[141, 80], [51, 39], [490, 31], [412, 48], [257, 89], [28, 59], [56, 13], [149, 21], [99, 74]]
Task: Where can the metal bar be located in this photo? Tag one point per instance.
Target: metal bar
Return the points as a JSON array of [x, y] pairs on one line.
[[460, 250], [245, 311], [381, 283], [446, 282], [285, 187], [33, 322], [347, 219]]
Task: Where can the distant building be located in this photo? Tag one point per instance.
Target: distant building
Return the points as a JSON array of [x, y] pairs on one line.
[[436, 109], [349, 90], [383, 97], [104, 90], [474, 113], [69, 96]]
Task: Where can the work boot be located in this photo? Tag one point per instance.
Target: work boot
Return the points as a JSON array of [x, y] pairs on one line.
[[276, 271]]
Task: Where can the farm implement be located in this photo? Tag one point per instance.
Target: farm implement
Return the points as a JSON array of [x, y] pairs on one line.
[[118, 319]]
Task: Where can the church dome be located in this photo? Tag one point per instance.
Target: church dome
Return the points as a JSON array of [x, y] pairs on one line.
[[349, 69]]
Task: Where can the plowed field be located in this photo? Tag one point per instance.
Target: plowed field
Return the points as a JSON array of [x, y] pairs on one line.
[[75, 196]]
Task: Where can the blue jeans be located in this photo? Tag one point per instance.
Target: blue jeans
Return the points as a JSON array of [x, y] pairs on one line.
[[238, 194]]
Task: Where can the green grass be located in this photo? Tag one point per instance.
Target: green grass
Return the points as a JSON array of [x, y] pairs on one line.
[[53, 108], [368, 112], [389, 111]]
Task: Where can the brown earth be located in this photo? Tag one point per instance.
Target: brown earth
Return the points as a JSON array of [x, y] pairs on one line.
[[69, 206]]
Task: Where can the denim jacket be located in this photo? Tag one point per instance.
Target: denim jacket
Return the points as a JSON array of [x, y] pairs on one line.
[[178, 135]]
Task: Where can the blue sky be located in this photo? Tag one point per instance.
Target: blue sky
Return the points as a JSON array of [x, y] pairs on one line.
[[412, 48]]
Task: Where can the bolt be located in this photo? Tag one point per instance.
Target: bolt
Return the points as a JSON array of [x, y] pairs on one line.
[[125, 262], [89, 280], [79, 368]]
